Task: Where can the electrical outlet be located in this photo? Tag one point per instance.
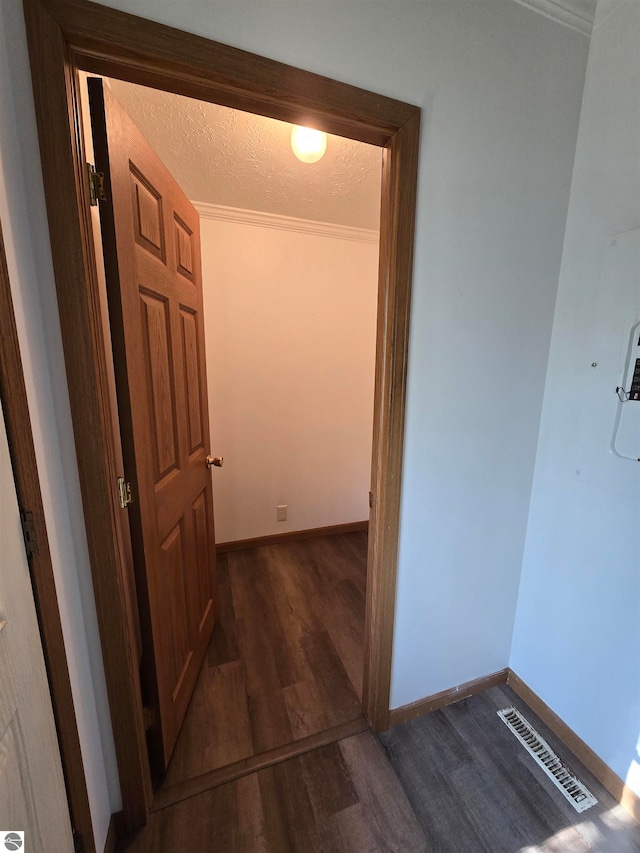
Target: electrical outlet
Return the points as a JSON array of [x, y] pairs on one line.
[[281, 513]]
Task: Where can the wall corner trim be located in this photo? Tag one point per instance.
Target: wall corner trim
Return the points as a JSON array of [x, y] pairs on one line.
[[578, 15], [446, 697], [285, 223]]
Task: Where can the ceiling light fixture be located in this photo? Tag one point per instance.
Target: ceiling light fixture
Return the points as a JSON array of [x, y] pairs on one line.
[[308, 145]]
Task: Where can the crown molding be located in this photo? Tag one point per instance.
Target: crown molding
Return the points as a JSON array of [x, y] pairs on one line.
[[576, 14], [609, 9], [284, 223]]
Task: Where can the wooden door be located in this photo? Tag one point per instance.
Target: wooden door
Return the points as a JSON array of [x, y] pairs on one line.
[[151, 241], [32, 791]]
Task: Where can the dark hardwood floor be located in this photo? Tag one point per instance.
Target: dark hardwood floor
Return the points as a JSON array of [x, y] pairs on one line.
[[342, 797], [286, 657], [454, 781], [475, 789], [284, 665]]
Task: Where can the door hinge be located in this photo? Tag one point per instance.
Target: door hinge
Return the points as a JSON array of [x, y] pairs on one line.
[[29, 533], [78, 843], [150, 717], [370, 500], [96, 186], [124, 492]]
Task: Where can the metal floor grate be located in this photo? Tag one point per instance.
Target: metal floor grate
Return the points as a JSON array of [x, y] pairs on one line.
[[573, 789]]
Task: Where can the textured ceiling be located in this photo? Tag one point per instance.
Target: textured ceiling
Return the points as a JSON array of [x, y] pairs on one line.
[[227, 157]]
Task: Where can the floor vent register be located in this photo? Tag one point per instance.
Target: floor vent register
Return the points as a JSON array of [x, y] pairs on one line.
[[573, 789]]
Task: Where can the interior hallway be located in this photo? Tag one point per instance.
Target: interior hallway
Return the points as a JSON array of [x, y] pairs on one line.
[[286, 657]]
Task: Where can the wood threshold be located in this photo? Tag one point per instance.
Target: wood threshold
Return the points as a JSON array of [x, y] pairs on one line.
[[594, 764], [291, 536], [65, 36], [446, 697], [192, 787], [15, 405]]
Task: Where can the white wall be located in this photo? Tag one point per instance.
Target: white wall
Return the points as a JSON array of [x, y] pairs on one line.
[[500, 87], [23, 217], [290, 326], [577, 633]]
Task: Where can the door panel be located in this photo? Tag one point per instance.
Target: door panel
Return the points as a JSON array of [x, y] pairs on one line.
[[156, 334], [189, 329], [202, 543], [151, 242], [172, 552], [184, 248], [17, 799], [147, 205]]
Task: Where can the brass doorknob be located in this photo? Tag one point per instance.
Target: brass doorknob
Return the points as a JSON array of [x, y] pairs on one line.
[[215, 461]]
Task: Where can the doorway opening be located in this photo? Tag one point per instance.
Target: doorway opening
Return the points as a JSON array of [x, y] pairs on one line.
[[79, 35], [251, 640]]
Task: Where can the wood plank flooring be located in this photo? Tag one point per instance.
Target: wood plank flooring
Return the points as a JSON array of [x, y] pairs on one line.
[[474, 788], [286, 657], [342, 797], [283, 666], [457, 781]]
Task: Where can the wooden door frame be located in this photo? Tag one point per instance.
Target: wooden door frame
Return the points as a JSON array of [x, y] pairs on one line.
[[13, 394], [67, 35]]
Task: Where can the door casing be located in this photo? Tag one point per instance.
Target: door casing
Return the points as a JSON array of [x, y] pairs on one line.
[[66, 36], [13, 394]]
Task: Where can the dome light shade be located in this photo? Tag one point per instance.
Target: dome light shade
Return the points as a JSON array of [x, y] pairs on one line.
[[308, 145]]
